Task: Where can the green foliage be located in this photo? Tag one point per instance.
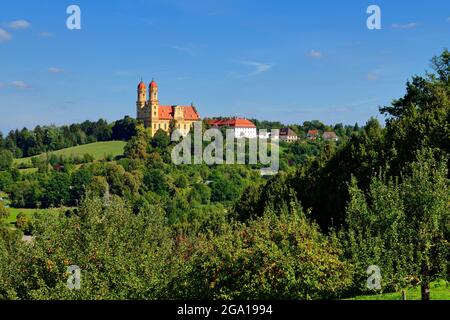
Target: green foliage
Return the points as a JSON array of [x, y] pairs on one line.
[[80, 180], [77, 155], [26, 194], [121, 255], [23, 223], [401, 226], [136, 148], [275, 257], [124, 129], [27, 143], [6, 180], [6, 160], [147, 229], [3, 211], [160, 140], [57, 190]]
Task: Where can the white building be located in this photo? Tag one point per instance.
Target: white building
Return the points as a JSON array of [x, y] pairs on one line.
[[243, 128]]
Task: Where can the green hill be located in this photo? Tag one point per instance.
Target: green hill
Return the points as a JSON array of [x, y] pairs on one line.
[[98, 150]]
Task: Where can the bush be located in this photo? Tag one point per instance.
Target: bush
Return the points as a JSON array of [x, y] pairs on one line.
[[23, 223], [273, 257], [3, 211], [6, 159]]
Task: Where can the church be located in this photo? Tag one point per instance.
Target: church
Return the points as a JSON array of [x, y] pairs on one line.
[[155, 116]]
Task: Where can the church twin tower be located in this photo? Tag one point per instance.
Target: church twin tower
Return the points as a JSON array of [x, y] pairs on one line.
[[164, 118]]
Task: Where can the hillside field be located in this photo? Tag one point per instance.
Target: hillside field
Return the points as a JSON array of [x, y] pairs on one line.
[[99, 150]]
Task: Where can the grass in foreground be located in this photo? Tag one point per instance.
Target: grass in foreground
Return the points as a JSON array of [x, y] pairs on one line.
[[98, 150], [439, 290]]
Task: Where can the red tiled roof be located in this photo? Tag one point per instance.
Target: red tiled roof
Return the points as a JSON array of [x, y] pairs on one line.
[[167, 112], [141, 85], [236, 123], [153, 84], [313, 132]]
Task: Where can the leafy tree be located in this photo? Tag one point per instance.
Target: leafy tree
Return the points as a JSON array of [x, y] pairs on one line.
[[155, 180], [98, 187], [121, 255], [80, 180], [223, 190], [23, 223], [6, 159], [402, 227], [6, 180], [3, 211], [124, 129], [280, 256], [57, 190], [26, 194], [160, 140], [136, 148]]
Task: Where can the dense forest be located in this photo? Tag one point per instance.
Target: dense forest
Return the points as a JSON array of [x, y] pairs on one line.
[[140, 227]]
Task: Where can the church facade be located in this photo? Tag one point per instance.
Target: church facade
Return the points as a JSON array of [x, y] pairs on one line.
[[155, 116]]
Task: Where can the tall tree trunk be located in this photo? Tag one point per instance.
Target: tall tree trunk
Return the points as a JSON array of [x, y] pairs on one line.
[[425, 291]]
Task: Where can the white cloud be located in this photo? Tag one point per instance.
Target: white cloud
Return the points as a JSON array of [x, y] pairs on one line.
[[190, 50], [45, 34], [4, 36], [19, 24], [21, 85], [259, 67], [55, 70], [315, 54], [411, 25], [371, 76]]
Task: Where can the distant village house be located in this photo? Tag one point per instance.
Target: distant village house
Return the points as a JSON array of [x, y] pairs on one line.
[[288, 135], [312, 134], [330, 136]]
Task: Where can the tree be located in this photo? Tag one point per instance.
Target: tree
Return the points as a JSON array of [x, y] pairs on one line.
[[6, 159], [223, 190], [403, 227], [26, 194], [277, 256], [57, 190], [136, 148], [23, 222], [3, 211], [80, 180], [124, 129], [6, 181], [160, 140]]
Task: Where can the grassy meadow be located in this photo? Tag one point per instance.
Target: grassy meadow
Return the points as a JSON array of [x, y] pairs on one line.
[[99, 150]]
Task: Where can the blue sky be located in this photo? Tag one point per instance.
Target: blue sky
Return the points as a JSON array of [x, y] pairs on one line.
[[285, 60]]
